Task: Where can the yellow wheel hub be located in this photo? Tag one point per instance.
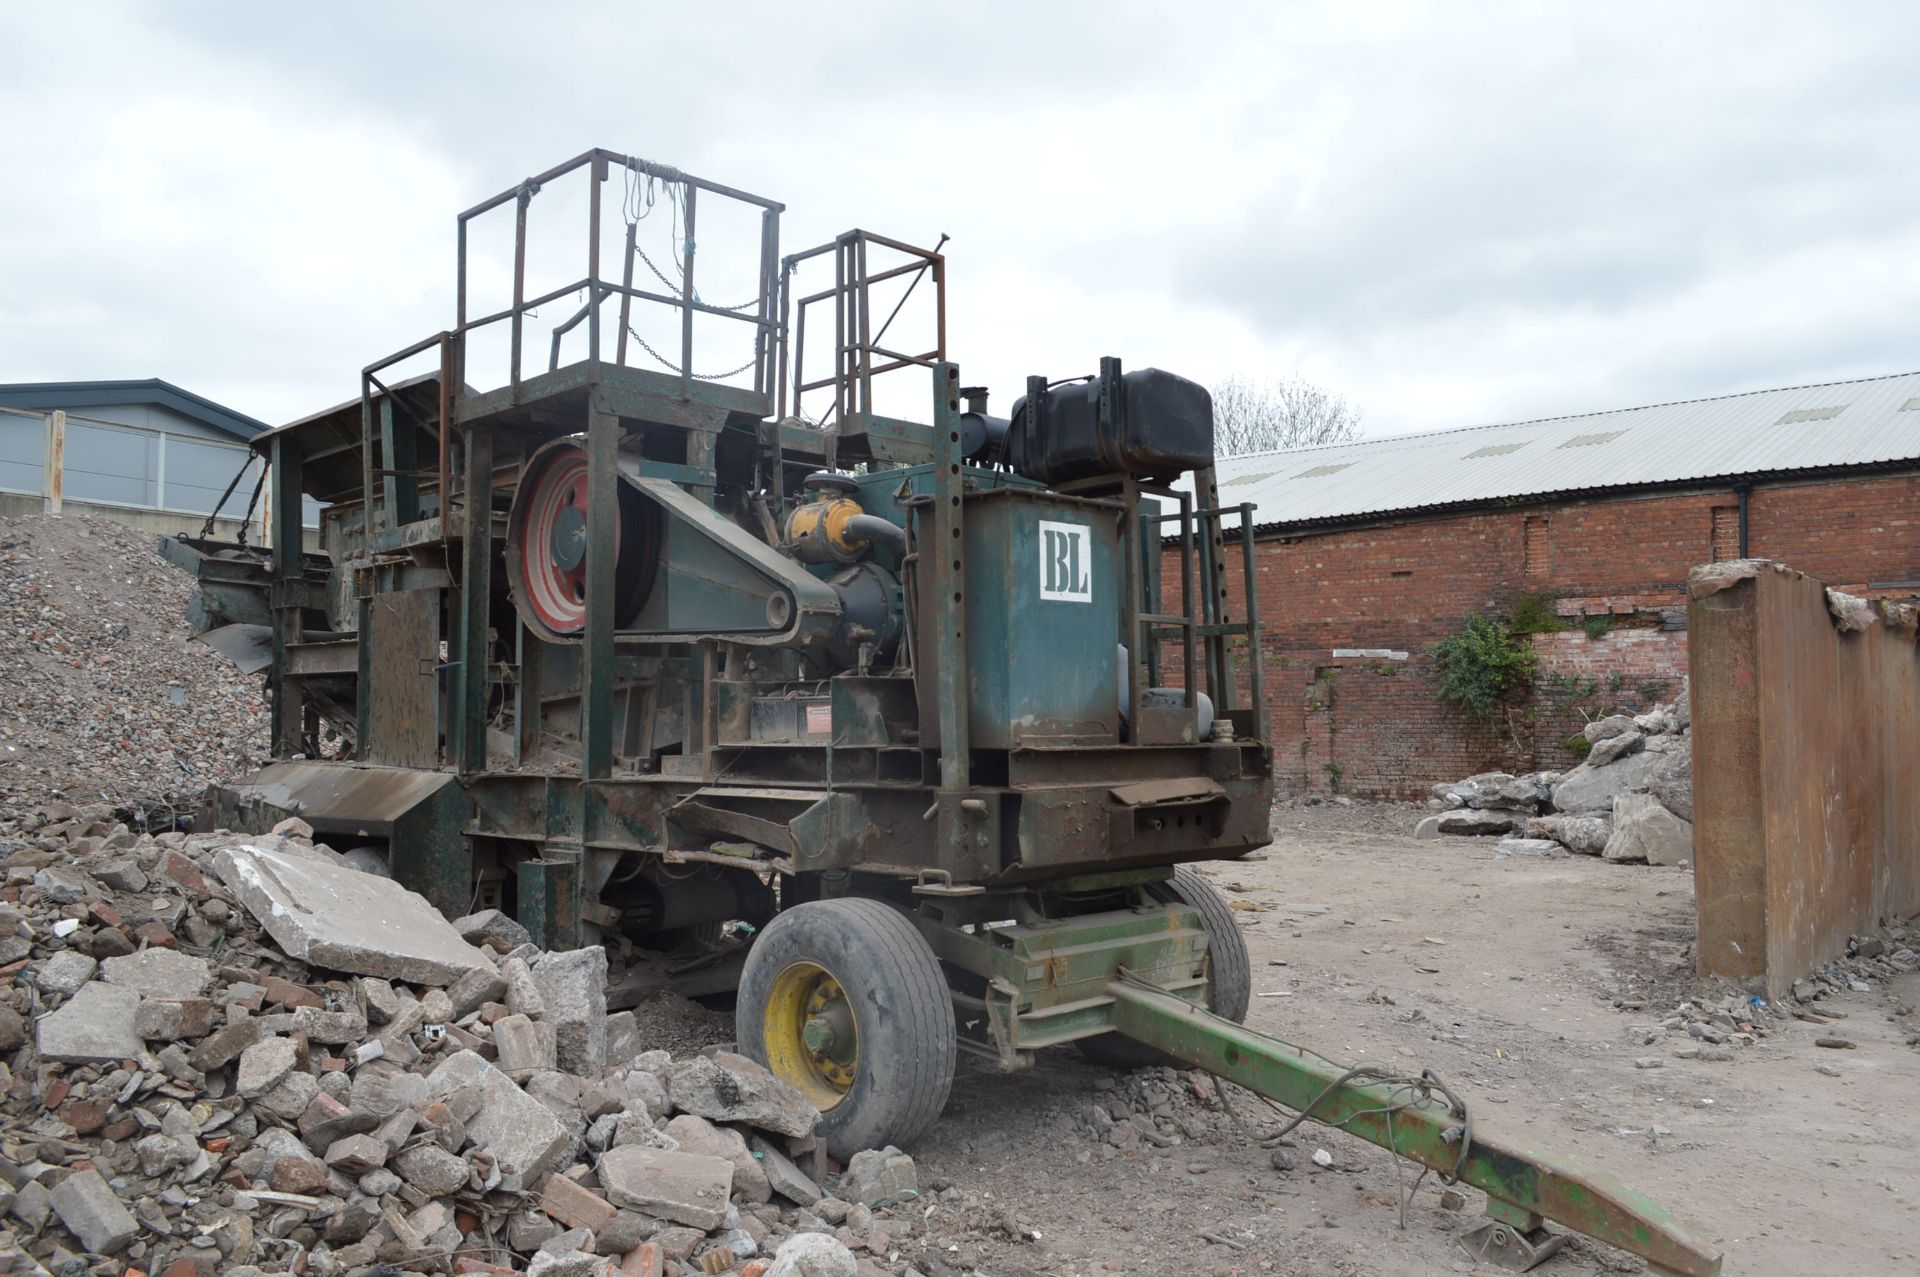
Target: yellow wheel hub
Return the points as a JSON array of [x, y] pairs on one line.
[[812, 1039]]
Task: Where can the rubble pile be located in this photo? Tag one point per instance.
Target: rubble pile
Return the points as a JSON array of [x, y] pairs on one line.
[[1630, 799], [1154, 1108], [105, 694], [1706, 1027], [1712, 1025], [228, 1054]]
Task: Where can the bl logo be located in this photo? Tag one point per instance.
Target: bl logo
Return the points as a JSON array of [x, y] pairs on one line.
[[1066, 562]]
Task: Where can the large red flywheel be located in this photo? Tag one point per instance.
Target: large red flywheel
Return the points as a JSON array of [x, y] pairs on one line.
[[547, 544]]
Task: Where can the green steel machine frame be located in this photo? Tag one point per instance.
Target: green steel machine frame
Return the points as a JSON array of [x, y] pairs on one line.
[[890, 725]]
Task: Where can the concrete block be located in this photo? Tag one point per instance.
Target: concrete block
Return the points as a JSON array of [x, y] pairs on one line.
[[473, 988], [813, 1255], [523, 994], [687, 1188], [330, 1028], [524, 1046], [573, 985], [95, 1024], [171, 1019], [431, 1169], [574, 1206], [336, 917], [91, 1212], [65, 972], [224, 1044], [524, 1138]]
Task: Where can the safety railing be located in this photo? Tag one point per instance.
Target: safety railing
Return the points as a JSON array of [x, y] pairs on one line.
[[684, 192], [860, 354]]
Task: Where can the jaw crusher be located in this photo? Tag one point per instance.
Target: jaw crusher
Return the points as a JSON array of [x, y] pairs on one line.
[[908, 731]]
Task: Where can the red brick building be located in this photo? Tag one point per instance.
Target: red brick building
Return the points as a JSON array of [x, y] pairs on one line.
[[1368, 553]]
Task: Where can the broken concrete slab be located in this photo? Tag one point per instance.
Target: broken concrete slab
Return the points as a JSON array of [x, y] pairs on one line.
[[1606, 728], [1672, 782], [1588, 789], [698, 1135], [1585, 834], [265, 1065], [879, 1175], [1470, 822], [732, 1088], [94, 1025], [783, 1174], [159, 973], [1614, 748], [687, 1188], [339, 918], [524, 1137], [493, 930], [224, 1044], [1643, 829], [813, 1255]]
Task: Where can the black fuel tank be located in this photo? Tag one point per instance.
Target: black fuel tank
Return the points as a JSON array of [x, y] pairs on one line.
[[1148, 423]]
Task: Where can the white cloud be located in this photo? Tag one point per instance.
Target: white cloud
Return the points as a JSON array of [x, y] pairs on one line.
[[1450, 214]]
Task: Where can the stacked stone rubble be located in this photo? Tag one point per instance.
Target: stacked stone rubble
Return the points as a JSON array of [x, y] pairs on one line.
[[1630, 799], [180, 1095]]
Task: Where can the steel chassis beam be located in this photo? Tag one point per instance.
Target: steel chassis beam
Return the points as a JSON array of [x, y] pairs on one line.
[[1523, 1185]]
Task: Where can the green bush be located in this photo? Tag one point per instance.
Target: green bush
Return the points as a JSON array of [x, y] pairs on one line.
[[1578, 745], [1597, 627], [1484, 664]]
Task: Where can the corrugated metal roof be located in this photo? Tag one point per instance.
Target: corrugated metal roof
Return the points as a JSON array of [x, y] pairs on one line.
[[150, 390], [1848, 423]]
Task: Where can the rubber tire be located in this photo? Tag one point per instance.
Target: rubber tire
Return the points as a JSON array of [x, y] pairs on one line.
[[1229, 976], [902, 1011]]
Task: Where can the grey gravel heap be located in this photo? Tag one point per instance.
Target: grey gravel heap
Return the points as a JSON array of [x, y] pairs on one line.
[[105, 692], [181, 1095]]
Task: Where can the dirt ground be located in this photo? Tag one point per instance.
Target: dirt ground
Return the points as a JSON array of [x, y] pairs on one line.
[[1788, 1170]]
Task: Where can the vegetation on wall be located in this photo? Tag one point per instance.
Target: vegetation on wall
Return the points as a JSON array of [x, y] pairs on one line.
[[1534, 614], [1483, 666]]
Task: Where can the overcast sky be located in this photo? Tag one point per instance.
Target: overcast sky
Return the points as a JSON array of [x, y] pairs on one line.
[[1452, 214]]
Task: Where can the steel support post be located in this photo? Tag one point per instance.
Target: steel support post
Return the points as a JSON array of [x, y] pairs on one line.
[[596, 648], [526, 693], [962, 824], [1418, 1124], [946, 559], [289, 573], [1213, 582], [476, 589], [397, 449]]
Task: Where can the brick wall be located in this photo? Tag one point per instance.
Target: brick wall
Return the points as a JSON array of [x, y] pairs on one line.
[[1374, 725]]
